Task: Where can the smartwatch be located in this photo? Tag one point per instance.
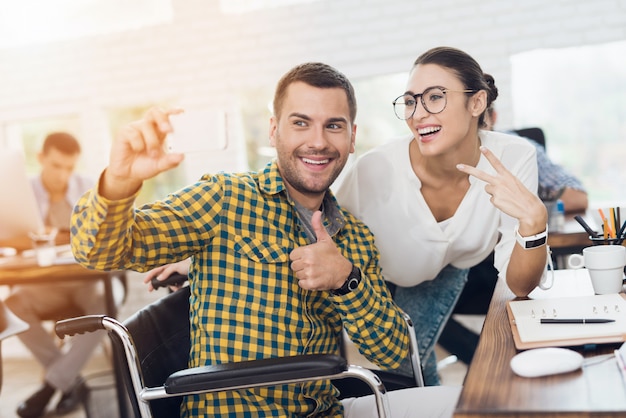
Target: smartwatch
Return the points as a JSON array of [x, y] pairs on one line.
[[532, 241], [351, 283]]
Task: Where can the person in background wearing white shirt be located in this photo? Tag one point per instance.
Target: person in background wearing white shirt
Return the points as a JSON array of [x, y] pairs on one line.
[[57, 189], [440, 199]]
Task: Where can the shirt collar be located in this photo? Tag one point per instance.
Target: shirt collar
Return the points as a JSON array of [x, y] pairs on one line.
[[270, 180], [271, 183]]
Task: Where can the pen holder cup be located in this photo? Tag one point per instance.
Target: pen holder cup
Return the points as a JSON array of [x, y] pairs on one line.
[[607, 241]]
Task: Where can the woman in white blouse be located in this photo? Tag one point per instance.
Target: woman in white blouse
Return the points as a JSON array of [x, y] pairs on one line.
[[440, 200]]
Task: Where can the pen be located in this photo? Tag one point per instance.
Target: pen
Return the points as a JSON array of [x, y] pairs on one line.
[[576, 321], [621, 233], [612, 222], [605, 222], [586, 226]]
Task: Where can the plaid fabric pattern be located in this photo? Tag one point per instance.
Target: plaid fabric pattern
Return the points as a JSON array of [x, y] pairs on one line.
[[245, 300]]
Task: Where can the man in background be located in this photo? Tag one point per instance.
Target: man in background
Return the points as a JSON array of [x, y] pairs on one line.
[[57, 188]]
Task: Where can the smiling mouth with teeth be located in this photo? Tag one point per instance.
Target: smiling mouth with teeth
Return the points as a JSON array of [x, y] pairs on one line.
[[315, 162], [429, 131]]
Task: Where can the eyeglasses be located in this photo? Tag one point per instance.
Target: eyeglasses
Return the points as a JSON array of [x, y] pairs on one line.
[[433, 99]]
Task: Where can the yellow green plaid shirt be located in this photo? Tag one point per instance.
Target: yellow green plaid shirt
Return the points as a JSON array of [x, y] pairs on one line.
[[245, 301]]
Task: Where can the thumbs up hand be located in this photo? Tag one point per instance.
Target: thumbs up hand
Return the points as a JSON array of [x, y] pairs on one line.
[[320, 266]]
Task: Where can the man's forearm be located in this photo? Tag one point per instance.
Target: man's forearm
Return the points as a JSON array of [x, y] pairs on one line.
[[574, 200], [116, 188], [99, 231]]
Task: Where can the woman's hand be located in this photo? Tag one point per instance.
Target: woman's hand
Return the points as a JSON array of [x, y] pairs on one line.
[[510, 195]]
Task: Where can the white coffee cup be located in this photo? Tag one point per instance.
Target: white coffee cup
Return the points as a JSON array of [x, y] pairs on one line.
[[605, 264], [44, 246]]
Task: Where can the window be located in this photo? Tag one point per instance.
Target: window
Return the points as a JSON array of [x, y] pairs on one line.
[[163, 184], [28, 136], [576, 95], [376, 122]]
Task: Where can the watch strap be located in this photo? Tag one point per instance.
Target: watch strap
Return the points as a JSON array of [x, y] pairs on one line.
[[351, 283], [532, 241]]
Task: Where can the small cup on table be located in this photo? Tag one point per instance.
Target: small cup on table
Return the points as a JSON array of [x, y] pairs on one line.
[[44, 246], [605, 264]]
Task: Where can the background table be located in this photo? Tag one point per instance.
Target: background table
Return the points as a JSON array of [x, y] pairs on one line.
[[491, 389], [571, 240], [20, 270], [24, 270]]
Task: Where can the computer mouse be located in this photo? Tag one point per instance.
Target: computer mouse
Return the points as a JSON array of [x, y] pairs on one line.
[[546, 361]]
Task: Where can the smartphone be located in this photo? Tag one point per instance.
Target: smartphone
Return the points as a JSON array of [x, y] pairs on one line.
[[197, 131]]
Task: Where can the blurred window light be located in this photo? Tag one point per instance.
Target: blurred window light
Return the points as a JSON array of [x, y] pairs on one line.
[[245, 6], [576, 95], [28, 22]]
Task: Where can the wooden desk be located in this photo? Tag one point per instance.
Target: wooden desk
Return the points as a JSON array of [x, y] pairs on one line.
[[491, 389], [20, 270]]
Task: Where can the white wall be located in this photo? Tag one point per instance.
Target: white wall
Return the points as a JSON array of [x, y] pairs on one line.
[[204, 58]]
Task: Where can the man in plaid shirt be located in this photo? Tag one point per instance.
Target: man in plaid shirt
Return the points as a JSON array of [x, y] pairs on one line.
[[278, 268]]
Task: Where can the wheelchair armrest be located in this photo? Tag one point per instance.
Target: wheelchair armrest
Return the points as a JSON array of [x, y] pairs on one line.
[[79, 325], [254, 372]]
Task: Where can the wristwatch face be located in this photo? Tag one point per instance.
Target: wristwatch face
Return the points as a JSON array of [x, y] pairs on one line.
[[352, 282]]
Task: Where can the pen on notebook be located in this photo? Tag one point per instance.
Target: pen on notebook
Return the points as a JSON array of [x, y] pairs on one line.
[[586, 226], [576, 321]]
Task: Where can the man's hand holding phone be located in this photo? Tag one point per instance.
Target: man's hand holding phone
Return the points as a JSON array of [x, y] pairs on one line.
[[138, 154]]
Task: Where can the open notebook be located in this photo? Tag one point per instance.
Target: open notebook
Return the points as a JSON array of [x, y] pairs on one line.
[[528, 332]]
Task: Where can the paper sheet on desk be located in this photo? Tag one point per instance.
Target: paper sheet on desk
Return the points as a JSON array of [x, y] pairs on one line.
[[567, 283]]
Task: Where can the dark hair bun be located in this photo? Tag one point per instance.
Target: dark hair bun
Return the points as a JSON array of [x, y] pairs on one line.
[[493, 90]]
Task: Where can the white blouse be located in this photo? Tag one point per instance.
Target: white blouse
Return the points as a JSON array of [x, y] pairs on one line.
[[382, 190]]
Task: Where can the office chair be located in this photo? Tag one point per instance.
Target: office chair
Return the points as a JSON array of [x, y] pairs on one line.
[[153, 347], [534, 133]]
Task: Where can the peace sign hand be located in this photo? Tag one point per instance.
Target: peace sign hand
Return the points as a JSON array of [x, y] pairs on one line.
[[510, 195]]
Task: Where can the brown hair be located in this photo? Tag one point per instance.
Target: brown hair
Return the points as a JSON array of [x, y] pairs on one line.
[[315, 74], [62, 141]]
